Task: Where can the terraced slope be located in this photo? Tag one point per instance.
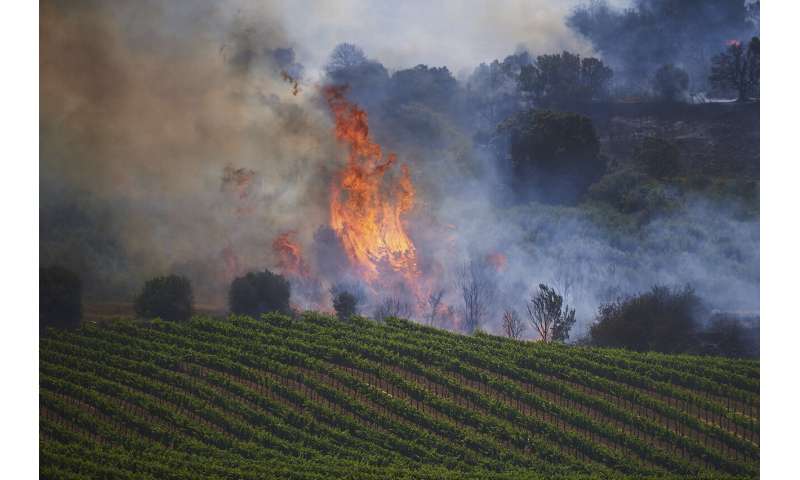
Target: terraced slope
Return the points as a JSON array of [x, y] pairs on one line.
[[319, 398]]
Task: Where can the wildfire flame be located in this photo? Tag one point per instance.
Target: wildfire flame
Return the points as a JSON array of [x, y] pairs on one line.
[[290, 256], [497, 260], [231, 262], [367, 208]]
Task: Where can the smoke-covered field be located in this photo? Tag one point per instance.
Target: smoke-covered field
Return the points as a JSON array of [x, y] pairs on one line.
[[210, 139]]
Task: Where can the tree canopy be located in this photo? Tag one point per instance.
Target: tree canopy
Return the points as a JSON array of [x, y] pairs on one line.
[[169, 298], [259, 292], [555, 156]]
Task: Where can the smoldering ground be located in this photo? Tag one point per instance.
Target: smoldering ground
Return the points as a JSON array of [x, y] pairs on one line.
[[171, 142]]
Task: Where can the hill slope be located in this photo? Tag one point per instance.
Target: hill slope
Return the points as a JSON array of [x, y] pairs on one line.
[[320, 398]]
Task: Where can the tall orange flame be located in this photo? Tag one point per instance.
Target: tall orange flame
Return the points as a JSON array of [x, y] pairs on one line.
[[366, 207]]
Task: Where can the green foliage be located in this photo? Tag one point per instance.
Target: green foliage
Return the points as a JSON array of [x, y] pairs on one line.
[[548, 314], [554, 155], [661, 320], [345, 304], [738, 68], [59, 298], [259, 292], [206, 399], [346, 298], [169, 298], [658, 157], [564, 80]]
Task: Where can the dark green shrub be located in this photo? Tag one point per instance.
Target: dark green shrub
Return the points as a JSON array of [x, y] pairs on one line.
[[259, 292], [169, 298], [630, 191], [60, 293], [555, 156], [658, 157], [662, 320], [346, 298], [345, 304]]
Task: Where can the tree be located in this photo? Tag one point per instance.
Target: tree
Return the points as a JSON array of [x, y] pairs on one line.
[[564, 80], [670, 83], [346, 299], [169, 298], [662, 320], [434, 87], [554, 156], [738, 68], [60, 293], [392, 307], [345, 304], [549, 316], [478, 290], [434, 302], [259, 292], [367, 79], [645, 34], [492, 91], [344, 56], [513, 326]]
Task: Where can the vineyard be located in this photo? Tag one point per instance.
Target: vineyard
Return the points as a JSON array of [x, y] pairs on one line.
[[315, 397]]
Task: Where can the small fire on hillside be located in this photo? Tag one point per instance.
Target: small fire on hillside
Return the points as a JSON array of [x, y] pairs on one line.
[[290, 256]]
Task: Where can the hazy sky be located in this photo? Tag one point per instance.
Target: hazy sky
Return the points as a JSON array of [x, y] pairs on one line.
[[458, 34]]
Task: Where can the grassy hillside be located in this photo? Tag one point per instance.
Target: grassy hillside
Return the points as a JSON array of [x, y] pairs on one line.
[[319, 398]]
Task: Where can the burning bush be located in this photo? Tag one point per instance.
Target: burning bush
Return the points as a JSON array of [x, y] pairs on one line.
[[59, 297], [168, 298], [259, 292]]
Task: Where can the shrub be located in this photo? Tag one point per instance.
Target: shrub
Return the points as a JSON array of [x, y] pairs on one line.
[[658, 157], [345, 304], [662, 319], [259, 292], [169, 298], [346, 298], [60, 293], [619, 189]]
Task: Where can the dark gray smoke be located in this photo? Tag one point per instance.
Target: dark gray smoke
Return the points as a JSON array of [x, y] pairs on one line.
[[686, 33]]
